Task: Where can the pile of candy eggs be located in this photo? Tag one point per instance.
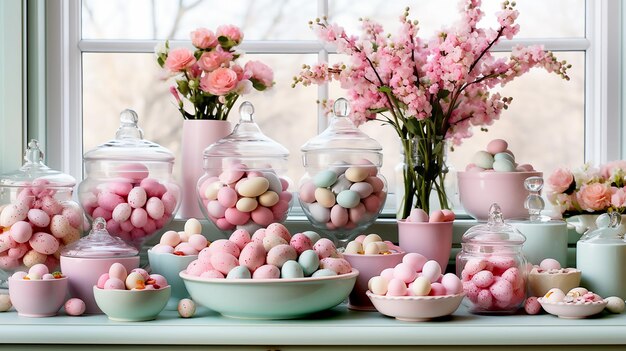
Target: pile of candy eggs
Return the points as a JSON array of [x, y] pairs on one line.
[[418, 215], [186, 243], [138, 279], [371, 244], [497, 158]]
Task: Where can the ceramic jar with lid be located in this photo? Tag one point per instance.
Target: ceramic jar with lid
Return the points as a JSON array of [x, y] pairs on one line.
[[342, 191], [601, 257], [492, 266], [243, 185], [88, 258], [37, 214], [128, 182]]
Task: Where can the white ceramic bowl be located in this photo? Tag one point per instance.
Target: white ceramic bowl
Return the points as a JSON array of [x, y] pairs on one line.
[[416, 308], [132, 305], [572, 311], [270, 298]]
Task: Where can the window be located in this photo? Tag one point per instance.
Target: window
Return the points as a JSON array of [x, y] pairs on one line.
[[551, 122]]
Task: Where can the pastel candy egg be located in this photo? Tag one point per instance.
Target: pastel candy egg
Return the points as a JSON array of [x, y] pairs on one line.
[[504, 156], [117, 270], [59, 226], [5, 303], [325, 179], [155, 208], [431, 271], [18, 251], [133, 171], [270, 241], [13, 213], [364, 189], [223, 262], [210, 193], [280, 254], [121, 188], [108, 201], [474, 266], [301, 243], [357, 213], [51, 206], [134, 280], [369, 166], [484, 299], [31, 258], [74, 307], [169, 202], [339, 265], [312, 235], [324, 248], [554, 295], [513, 276], [19, 275], [215, 209], [339, 215], [396, 287], [21, 231], [325, 197], [39, 270], [197, 267], [357, 174], [404, 272], [483, 159], [280, 210], [291, 269], [162, 248], [274, 181], [372, 203], [137, 197], [198, 241], [252, 256], [233, 174], [452, 284], [258, 236], [307, 192], [378, 285], [437, 289], [532, 306], [239, 272], [437, 217], [170, 238], [44, 243], [121, 212], [278, 229], [309, 261], [236, 216], [525, 168], [268, 198], [377, 184], [501, 263], [227, 197], [549, 263], [139, 217], [341, 184], [371, 249], [153, 187], [186, 308], [159, 279], [38, 218], [415, 260], [240, 237], [503, 166], [114, 284], [370, 238], [223, 245], [502, 290], [354, 248], [483, 279], [267, 271], [247, 204], [323, 273], [417, 215], [263, 216], [615, 304], [319, 213], [348, 199], [497, 146], [253, 187]]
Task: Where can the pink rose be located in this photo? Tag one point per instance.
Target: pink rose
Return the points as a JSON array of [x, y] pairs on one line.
[[231, 32], [203, 38], [560, 180], [618, 199], [219, 82], [610, 168], [194, 71], [210, 61], [261, 72], [179, 60], [594, 197]]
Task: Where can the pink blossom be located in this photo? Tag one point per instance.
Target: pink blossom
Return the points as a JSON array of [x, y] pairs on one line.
[[210, 61], [618, 199], [261, 72], [560, 180], [231, 32], [594, 197], [174, 92], [203, 38], [179, 60], [219, 82], [608, 170]]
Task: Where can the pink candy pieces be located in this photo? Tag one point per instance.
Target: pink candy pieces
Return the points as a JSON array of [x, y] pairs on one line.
[[420, 216]]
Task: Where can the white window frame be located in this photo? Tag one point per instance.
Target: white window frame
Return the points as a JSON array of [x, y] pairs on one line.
[[602, 44]]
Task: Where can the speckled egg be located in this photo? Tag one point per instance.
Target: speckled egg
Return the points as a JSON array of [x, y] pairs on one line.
[[301, 243], [44, 243], [270, 241], [13, 213], [291, 269], [224, 245], [278, 229], [323, 273], [21, 231], [252, 256], [186, 308], [239, 272], [324, 248], [309, 261], [483, 159], [223, 262], [240, 237], [325, 179], [38, 217], [280, 254], [155, 208], [75, 307], [122, 212], [59, 226], [312, 235], [137, 197], [267, 271], [198, 241], [339, 265]]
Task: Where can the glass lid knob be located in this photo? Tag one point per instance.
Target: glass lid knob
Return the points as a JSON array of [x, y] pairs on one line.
[[33, 153], [246, 110], [534, 202], [495, 215], [128, 126], [341, 108]]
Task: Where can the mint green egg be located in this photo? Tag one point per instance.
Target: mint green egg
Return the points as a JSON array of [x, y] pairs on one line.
[[504, 156], [483, 159], [324, 179], [309, 261], [239, 272], [324, 273], [291, 269], [503, 166], [348, 199]]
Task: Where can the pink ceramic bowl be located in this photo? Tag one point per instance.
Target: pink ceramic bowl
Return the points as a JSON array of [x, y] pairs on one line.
[[416, 308], [431, 240], [369, 266], [478, 190], [84, 274], [38, 298]]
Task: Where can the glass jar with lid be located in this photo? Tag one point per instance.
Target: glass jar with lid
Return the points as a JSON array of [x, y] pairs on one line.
[[128, 182], [37, 214], [342, 191], [492, 266], [243, 186]]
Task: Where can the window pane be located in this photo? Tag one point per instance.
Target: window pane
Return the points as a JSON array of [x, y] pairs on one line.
[[113, 82], [547, 18], [168, 19]]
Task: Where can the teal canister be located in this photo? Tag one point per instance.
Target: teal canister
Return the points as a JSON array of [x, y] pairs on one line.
[[601, 256]]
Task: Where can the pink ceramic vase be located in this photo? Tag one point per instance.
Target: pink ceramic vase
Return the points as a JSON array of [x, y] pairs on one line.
[[432, 240], [198, 134], [369, 266]]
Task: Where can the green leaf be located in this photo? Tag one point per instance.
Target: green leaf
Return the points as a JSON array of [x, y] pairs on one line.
[[378, 110], [385, 89], [256, 84], [412, 125], [442, 94], [183, 87]]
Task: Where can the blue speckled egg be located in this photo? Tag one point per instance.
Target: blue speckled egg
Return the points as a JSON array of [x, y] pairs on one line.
[[239, 272], [309, 261], [324, 273], [291, 269], [483, 159], [503, 166], [348, 199], [324, 179]]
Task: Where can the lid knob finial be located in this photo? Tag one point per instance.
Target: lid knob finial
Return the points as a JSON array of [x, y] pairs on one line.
[[534, 202], [246, 110], [128, 126], [341, 108], [33, 153]]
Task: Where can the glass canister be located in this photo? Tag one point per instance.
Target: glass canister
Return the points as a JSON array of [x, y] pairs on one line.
[[37, 214], [601, 257], [88, 258], [492, 266], [243, 185], [128, 182], [342, 191]]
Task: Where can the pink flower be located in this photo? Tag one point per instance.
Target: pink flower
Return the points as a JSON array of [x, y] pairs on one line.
[[179, 60], [209, 61], [174, 92], [560, 180], [618, 199], [594, 197], [203, 38], [220, 81], [231, 32], [261, 72], [609, 169]]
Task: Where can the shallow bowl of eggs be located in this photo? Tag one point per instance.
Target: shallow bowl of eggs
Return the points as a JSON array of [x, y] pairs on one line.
[[37, 293], [577, 303], [280, 298]]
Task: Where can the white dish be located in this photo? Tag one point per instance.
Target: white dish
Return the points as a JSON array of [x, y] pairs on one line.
[[572, 311], [415, 308]]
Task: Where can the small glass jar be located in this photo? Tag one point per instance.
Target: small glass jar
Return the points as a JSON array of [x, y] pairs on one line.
[[37, 214], [243, 186], [342, 191], [492, 266], [128, 182]]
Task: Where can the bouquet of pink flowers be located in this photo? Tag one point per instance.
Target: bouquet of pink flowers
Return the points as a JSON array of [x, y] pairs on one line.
[[429, 91], [210, 77], [588, 189]]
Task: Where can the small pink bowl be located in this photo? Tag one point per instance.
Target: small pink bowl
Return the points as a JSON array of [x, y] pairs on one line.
[[38, 298], [478, 190], [369, 266]]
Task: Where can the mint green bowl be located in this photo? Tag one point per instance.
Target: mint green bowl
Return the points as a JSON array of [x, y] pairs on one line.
[[132, 305], [169, 265], [270, 298]]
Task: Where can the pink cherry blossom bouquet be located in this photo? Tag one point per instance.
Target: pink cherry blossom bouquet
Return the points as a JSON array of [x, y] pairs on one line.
[[210, 78], [588, 190], [430, 91]]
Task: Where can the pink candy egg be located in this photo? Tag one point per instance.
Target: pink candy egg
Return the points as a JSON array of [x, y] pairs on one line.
[[396, 287], [186, 249], [474, 266], [497, 146], [197, 267], [415, 261], [137, 197], [155, 208], [101, 212], [483, 279], [280, 254], [417, 215], [114, 284], [452, 284], [236, 217], [339, 216], [108, 201], [44, 243], [169, 202], [153, 187], [449, 215], [133, 171], [252, 256], [186, 308], [118, 271], [162, 248], [437, 216], [387, 273], [102, 280], [75, 307], [223, 262], [223, 245], [212, 274], [139, 217], [267, 271], [227, 197], [51, 206], [484, 299], [198, 241], [405, 272], [39, 269], [120, 188], [263, 216], [278, 229], [38, 218], [21, 231], [437, 289], [159, 279], [357, 213], [338, 265], [502, 290], [431, 270], [324, 248], [307, 192], [240, 237], [301, 243], [547, 264]]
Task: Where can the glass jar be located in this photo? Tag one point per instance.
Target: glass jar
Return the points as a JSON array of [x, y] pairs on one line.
[[492, 266], [37, 214], [342, 191], [243, 186], [128, 182]]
